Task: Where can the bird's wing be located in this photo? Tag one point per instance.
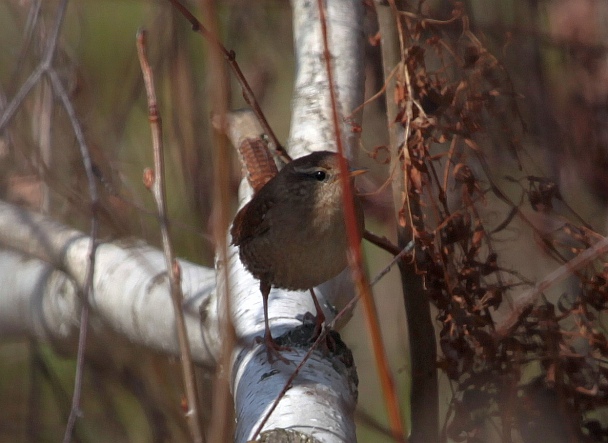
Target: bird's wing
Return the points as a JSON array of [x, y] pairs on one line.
[[251, 221]]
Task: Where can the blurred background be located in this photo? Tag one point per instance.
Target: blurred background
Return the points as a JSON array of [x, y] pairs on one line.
[[552, 52]]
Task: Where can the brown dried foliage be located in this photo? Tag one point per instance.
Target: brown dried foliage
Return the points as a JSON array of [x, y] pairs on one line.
[[449, 114]]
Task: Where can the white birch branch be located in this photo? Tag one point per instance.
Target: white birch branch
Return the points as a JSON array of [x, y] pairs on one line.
[[311, 123], [131, 287]]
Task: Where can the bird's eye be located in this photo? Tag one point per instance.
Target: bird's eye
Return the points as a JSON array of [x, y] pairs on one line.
[[320, 175]]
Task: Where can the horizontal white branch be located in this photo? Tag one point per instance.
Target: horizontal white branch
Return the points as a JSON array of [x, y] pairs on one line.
[[130, 292]]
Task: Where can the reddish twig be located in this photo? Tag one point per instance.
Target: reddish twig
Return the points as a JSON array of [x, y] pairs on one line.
[[154, 181], [371, 315], [222, 411]]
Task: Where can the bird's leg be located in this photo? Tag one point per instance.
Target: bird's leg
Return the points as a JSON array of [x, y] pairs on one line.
[[320, 318], [329, 343], [272, 348]]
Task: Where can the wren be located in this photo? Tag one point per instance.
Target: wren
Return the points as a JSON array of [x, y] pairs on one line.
[[292, 233]]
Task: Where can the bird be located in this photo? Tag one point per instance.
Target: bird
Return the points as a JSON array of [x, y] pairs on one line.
[[292, 233]]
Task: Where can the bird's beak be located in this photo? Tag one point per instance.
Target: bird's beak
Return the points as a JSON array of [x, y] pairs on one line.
[[358, 171]]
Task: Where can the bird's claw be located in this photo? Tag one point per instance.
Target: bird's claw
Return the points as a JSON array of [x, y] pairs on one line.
[[319, 324], [273, 349], [329, 343]]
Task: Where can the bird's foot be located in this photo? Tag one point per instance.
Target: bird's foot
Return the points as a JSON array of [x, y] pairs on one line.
[[328, 344], [319, 324], [273, 349]]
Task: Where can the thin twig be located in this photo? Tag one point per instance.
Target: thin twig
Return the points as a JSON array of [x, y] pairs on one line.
[[26, 87], [248, 94], [405, 251], [376, 95], [425, 21], [371, 315], [381, 242], [45, 67], [155, 182], [88, 289], [75, 411], [28, 32]]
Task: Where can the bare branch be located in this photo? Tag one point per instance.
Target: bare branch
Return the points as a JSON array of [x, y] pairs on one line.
[[173, 269]]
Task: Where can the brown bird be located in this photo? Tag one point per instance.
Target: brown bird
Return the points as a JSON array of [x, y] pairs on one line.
[[292, 233]]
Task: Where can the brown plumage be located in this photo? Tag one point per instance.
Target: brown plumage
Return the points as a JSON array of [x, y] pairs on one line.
[[291, 234]]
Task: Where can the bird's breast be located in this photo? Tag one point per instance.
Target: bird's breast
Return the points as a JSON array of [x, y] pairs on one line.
[[302, 246], [309, 254]]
